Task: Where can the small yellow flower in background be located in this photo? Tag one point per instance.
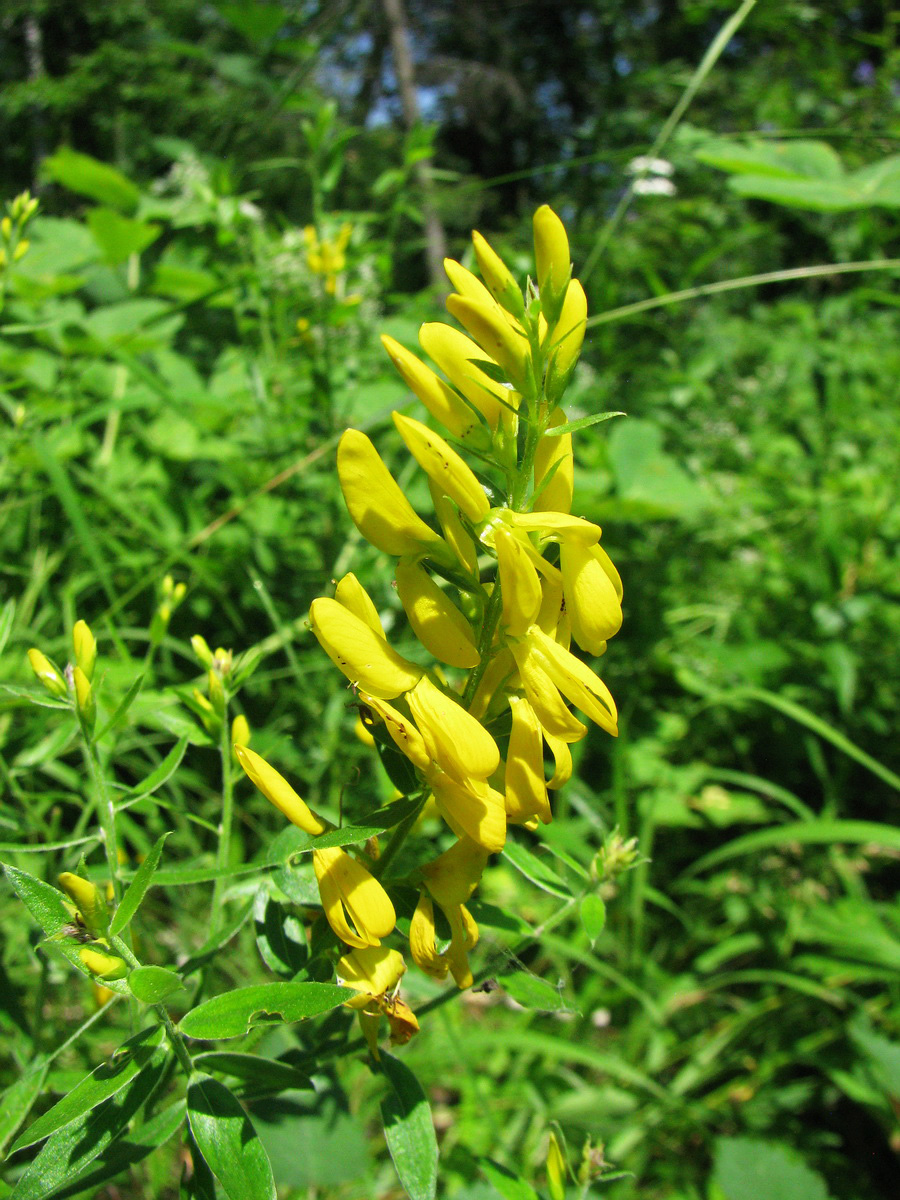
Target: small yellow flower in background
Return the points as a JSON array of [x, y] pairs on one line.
[[48, 674], [84, 700], [351, 894], [278, 791], [85, 648]]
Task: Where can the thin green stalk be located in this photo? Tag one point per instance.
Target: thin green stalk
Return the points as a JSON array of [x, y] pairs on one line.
[[106, 814], [395, 844], [224, 855]]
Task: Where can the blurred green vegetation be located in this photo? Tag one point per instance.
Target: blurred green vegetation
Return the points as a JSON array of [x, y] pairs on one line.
[[174, 373]]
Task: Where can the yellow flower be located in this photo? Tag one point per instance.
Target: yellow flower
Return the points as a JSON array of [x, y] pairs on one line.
[[593, 593], [519, 582], [455, 534], [350, 893], [552, 260], [440, 400], [84, 699], [457, 355], [450, 881], [547, 667], [498, 277], [526, 791], [47, 673], [456, 741], [104, 966], [351, 594], [278, 791], [568, 336], [373, 972], [437, 622], [89, 901], [363, 655], [443, 466], [494, 334], [85, 648], [379, 509], [473, 810], [240, 731]]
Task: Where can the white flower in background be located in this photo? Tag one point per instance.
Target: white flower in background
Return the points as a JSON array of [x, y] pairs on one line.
[[655, 186], [644, 165]]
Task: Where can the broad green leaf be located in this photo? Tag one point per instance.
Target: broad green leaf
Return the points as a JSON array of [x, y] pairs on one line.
[[45, 903], [74, 1147], [127, 1151], [509, 1185], [592, 911], [119, 237], [88, 177], [532, 992], [750, 1169], [787, 160], [233, 1013], [251, 1068], [228, 1141], [16, 1102], [137, 888], [536, 870], [104, 1081], [409, 1130], [151, 985]]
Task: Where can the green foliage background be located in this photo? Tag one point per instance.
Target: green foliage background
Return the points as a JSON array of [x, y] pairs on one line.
[[734, 1028]]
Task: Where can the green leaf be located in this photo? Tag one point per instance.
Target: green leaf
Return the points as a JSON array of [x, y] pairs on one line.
[[280, 936], [509, 1185], [74, 1147], [45, 903], [581, 423], [119, 237], [121, 708], [749, 1169], [536, 870], [592, 911], [161, 774], [409, 1130], [233, 1013], [258, 21], [137, 888], [810, 833], [883, 1056], [88, 177], [533, 992], [151, 985], [251, 1068], [16, 1102], [104, 1081], [7, 613], [228, 1141], [127, 1151]]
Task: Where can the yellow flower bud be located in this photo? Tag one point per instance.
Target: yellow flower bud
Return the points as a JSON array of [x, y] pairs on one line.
[[278, 791], [89, 901], [104, 966], [466, 283], [498, 277], [202, 650], [6, 229], [437, 622], [556, 1170], [350, 893], [455, 535], [376, 504], [364, 657], [240, 731], [47, 673], [551, 252], [353, 596], [216, 693], [21, 249], [440, 400], [456, 355], [84, 699], [557, 495], [568, 337], [443, 466], [490, 329]]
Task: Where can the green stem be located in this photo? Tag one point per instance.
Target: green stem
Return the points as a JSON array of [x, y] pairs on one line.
[[489, 625], [160, 1011], [106, 814], [398, 837], [224, 855]]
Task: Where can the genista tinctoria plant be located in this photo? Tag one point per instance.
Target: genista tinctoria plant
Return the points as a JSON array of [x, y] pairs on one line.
[[496, 594]]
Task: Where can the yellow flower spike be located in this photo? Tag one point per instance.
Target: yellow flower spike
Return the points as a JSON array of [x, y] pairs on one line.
[[437, 622], [371, 971], [544, 696], [350, 893], [493, 332], [443, 466], [456, 355], [451, 879], [575, 680], [351, 594], [89, 901], [568, 337], [498, 277], [404, 733], [592, 603], [240, 731], [562, 758], [104, 966], [526, 791], [364, 657], [455, 740], [454, 533], [473, 810], [557, 525], [47, 674], [519, 582], [557, 495], [552, 259], [85, 648], [378, 507], [84, 699], [440, 400], [278, 791]]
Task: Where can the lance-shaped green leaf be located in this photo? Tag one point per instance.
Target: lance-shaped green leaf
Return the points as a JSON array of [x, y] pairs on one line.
[[104, 1081], [45, 903], [159, 775], [409, 1130], [73, 1148], [233, 1013], [17, 1100], [228, 1142], [137, 888], [270, 1073]]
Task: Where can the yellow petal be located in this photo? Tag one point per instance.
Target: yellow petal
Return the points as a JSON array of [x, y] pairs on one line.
[[443, 466], [48, 675], [551, 251], [496, 274], [345, 883], [526, 791], [555, 524], [544, 696], [454, 354], [557, 495], [575, 680], [463, 938], [374, 500], [568, 335], [494, 334], [466, 283], [519, 582], [452, 877], [354, 648], [562, 757], [104, 966], [440, 400], [473, 810], [455, 739], [591, 601], [350, 593], [454, 533], [373, 971], [278, 791], [85, 648], [404, 733], [437, 622], [422, 945], [89, 901]]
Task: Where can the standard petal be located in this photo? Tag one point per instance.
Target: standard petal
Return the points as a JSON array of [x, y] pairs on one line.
[[455, 739], [354, 648]]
